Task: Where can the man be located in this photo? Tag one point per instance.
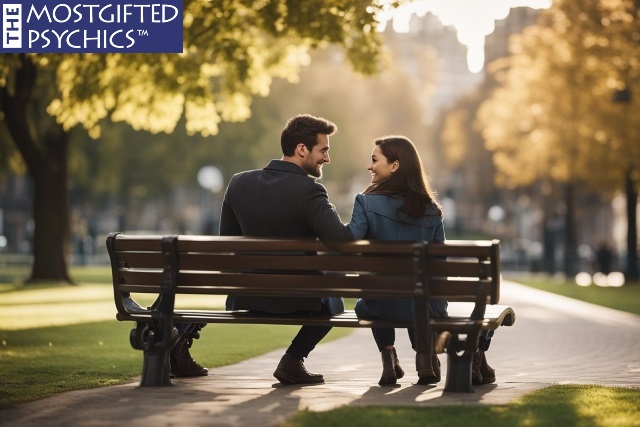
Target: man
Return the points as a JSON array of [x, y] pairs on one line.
[[284, 200]]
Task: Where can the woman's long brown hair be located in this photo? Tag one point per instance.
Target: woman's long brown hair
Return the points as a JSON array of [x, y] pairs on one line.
[[409, 181]]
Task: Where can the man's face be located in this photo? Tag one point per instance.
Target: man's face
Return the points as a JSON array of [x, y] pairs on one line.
[[317, 157]]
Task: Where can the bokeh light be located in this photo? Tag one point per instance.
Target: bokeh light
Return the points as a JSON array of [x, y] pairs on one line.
[[615, 279], [600, 279], [583, 279]]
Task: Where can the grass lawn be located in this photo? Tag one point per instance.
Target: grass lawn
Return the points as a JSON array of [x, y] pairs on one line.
[[39, 362], [55, 339], [561, 405], [625, 298]]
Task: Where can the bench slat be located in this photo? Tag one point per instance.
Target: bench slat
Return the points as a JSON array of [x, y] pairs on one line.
[[124, 242], [304, 285], [462, 248], [208, 262], [459, 268], [140, 289], [270, 284], [495, 315], [499, 315], [239, 244], [137, 259], [377, 264], [458, 289]]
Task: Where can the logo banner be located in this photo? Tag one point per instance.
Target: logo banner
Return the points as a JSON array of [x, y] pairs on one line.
[[76, 26]]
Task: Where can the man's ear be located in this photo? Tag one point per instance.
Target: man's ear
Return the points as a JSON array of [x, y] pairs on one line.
[[301, 150]]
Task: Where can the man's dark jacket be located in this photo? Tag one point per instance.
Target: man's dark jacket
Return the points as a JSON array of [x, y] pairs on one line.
[[280, 200]]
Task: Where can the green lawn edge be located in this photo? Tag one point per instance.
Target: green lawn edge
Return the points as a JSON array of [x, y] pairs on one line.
[[625, 298], [558, 405]]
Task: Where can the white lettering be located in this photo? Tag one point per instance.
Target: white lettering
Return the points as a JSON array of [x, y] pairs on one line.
[[142, 7], [159, 13], [55, 10], [38, 15], [90, 7], [59, 36], [37, 37], [61, 33], [114, 43], [87, 38], [164, 12], [129, 37], [126, 12], [69, 39], [111, 16], [75, 10], [33, 37], [155, 11]]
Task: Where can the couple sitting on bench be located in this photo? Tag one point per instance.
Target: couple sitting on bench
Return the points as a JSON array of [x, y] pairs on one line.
[[284, 200]]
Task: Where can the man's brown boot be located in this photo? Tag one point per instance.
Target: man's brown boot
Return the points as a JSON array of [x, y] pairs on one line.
[[292, 371], [482, 373], [182, 364]]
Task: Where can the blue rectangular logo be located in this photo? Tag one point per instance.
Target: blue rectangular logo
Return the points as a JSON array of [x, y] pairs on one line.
[[73, 26]]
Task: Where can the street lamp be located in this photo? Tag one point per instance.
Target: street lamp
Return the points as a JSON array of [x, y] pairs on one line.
[[210, 178], [211, 181]]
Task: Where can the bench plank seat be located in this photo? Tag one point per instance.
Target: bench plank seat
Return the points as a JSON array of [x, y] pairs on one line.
[[495, 316]]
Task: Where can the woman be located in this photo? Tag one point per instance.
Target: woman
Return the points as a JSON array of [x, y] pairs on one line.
[[398, 205]]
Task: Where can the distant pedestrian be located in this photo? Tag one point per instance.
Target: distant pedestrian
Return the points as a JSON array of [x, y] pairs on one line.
[[604, 258]]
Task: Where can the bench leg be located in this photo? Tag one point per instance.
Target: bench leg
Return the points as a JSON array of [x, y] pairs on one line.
[[156, 367], [459, 372]]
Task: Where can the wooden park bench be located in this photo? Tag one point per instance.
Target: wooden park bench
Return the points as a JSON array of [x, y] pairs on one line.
[[466, 273]]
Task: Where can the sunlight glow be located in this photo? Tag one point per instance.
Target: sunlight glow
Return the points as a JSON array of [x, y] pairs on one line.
[[614, 279], [70, 305], [583, 279], [472, 19]]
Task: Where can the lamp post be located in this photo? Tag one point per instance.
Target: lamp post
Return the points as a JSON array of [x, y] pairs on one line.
[[623, 96], [211, 181]]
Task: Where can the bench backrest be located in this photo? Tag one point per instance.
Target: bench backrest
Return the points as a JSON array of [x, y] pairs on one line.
[[276, 267], [457, 267]]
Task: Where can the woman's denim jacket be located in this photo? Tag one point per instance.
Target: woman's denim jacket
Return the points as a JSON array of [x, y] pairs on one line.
[[378, 217]]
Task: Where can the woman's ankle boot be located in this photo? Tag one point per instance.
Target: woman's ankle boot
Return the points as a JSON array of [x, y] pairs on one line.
[[428, 368], [396, 361], [388, 368]]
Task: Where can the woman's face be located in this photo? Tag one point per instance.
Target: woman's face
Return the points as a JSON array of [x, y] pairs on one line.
[[380, 167]]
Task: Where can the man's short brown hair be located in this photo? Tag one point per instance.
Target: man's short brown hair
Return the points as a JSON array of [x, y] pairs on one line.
[[304, 128]]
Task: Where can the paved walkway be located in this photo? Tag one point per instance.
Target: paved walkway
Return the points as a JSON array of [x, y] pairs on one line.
[[554, 340]]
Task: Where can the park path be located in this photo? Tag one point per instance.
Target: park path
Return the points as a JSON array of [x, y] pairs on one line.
[[554, 340]]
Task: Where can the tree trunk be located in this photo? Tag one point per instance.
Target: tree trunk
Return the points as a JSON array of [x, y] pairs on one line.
[[631, 273], [570, 234], [549, 243], [46, 162], [51, 212]]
